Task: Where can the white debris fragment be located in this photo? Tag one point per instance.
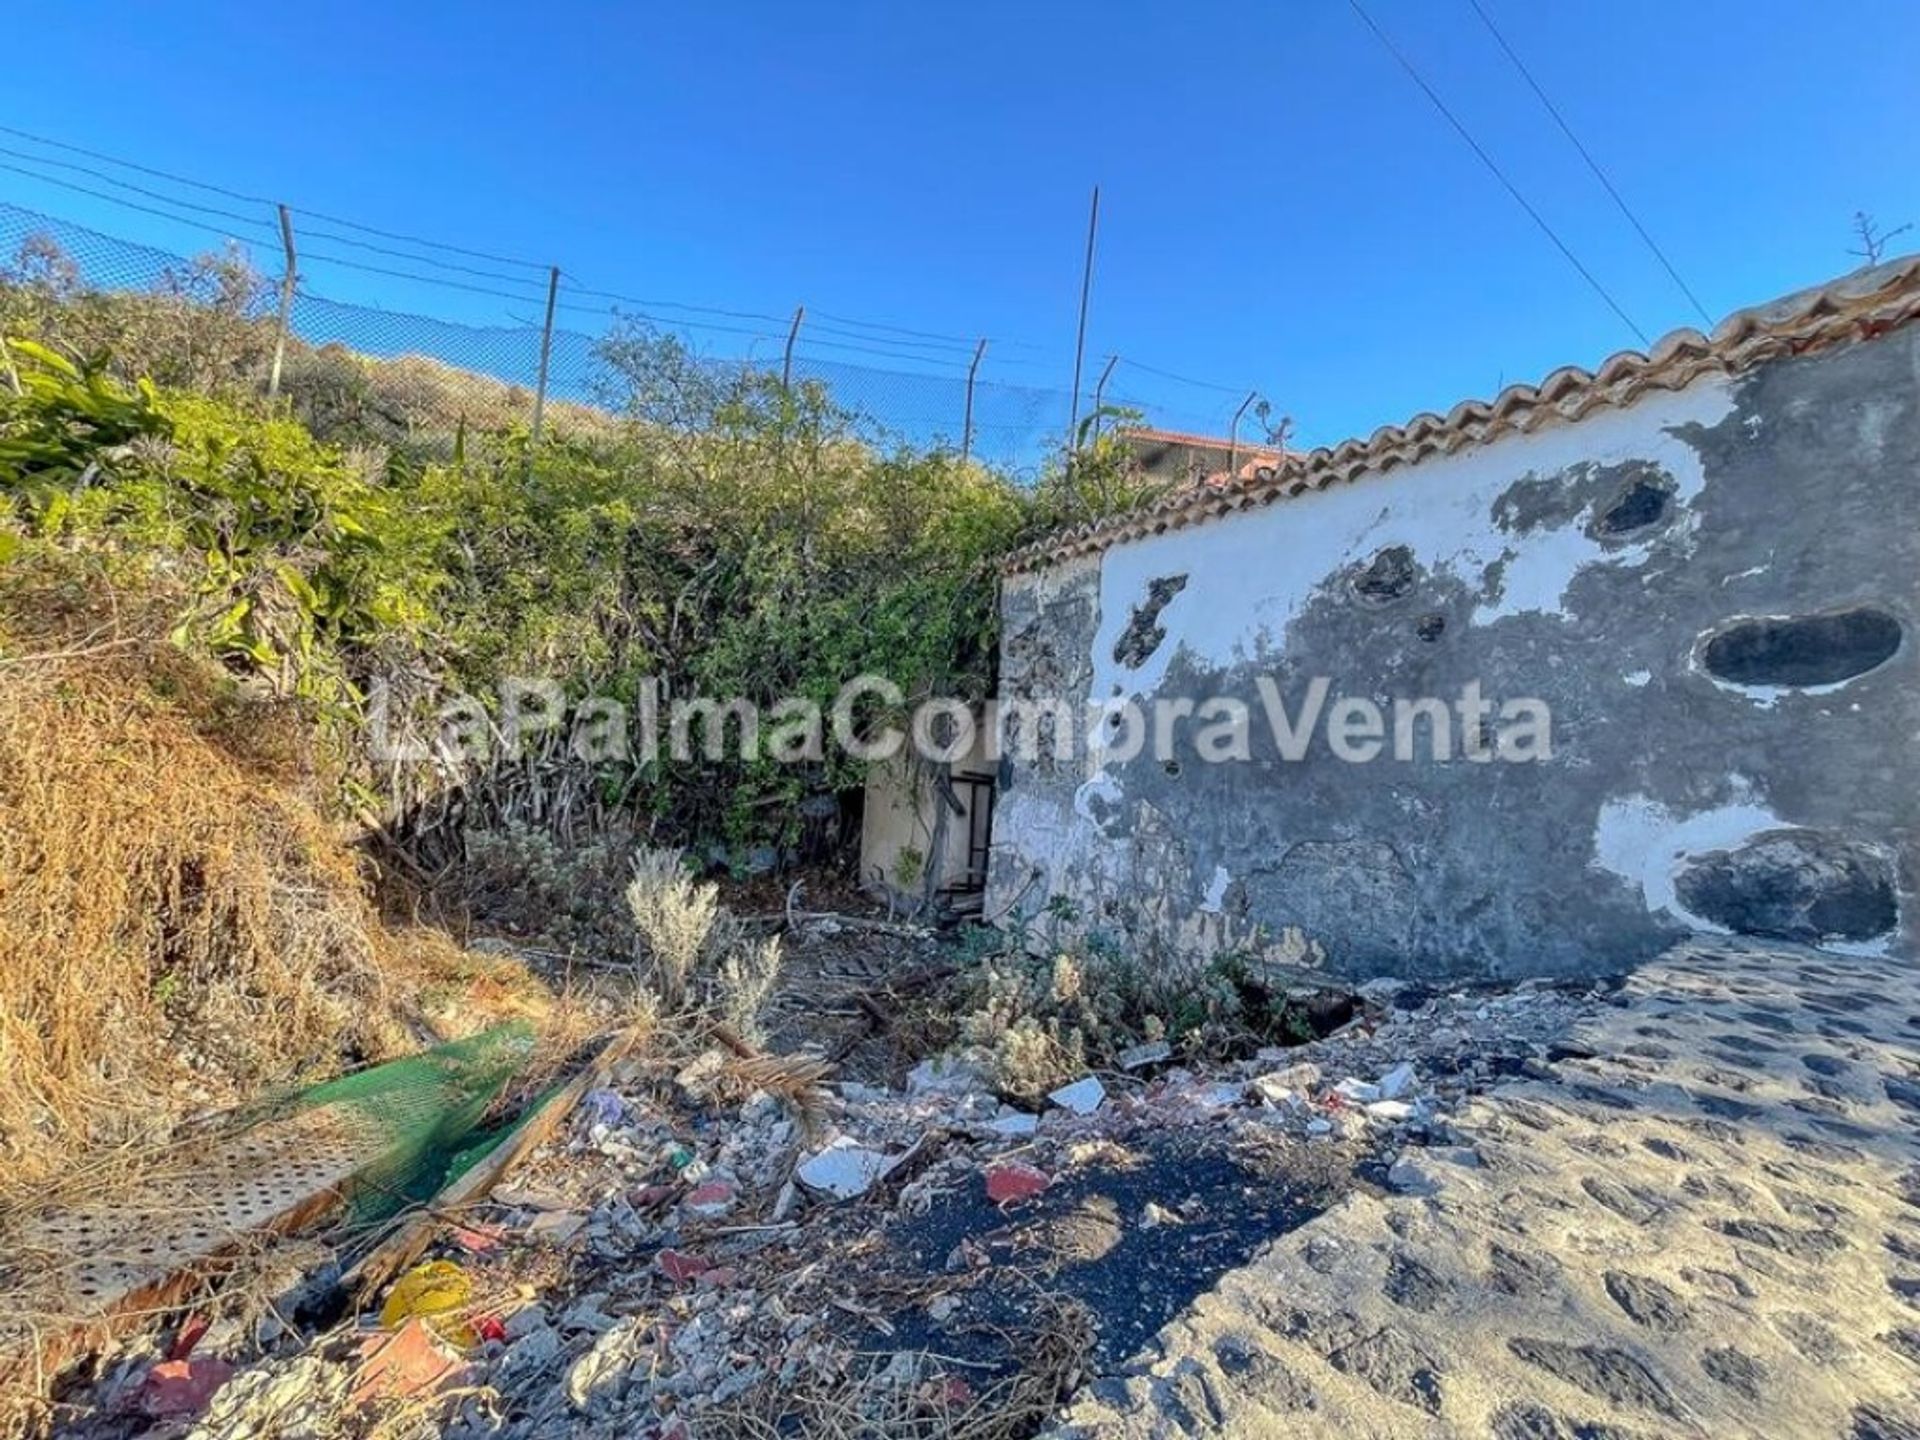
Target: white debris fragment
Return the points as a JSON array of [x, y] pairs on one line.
[[1303, 1075], [1360, 1092], [528, 1358], [1014, 1124], [598, 1380], [1281, 1088], [1394, 1111], [557, 1226], [1139, 1057], [945, 1075], [1082, 1097], [1397, 1081], [843, 1170]]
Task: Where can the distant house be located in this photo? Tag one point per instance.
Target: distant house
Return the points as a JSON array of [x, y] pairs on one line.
[[1182, 459]]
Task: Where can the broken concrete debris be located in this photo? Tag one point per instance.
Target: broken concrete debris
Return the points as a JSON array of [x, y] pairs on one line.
[[677, 1250], [1139, 1057], [843, 1170], [1396, 1081], [1014, 1124], [1082, 1097]]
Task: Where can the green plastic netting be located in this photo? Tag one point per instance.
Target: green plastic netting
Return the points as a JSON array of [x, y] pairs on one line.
[[420, 1118]]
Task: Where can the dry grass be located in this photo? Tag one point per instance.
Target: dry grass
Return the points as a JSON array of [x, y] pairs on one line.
[[180, 928], [876, 1403]]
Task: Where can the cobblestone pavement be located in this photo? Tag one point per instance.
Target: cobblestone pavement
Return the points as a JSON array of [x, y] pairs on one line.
[[1704, 1220]]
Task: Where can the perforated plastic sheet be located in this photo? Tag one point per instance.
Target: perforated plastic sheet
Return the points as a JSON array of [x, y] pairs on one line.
[[361, 1139]]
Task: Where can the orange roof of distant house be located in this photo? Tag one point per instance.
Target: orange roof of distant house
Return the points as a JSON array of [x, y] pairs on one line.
[[1870, 301], [1248, 458]]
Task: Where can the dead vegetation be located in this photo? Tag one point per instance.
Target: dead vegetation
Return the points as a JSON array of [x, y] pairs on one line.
[[902, 1396], [180, 927]]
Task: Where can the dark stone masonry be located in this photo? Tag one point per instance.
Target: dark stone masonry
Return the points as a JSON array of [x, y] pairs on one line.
[[1710, 589]]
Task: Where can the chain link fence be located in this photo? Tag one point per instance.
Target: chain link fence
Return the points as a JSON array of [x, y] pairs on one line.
[[491, 374]]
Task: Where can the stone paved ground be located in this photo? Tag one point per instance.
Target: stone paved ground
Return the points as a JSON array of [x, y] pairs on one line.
[[1704, 1221]]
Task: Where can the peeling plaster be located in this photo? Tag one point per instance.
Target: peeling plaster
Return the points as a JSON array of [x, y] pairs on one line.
[[1247, 581], [1647, 844], [1216, 890], [1776, 490]]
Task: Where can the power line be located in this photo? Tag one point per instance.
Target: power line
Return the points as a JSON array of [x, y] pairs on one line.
[[1592, 164], [315, 257], [325, 259], [1184, 380], [1497, 173], [939, 345], [122, 201], [676, 305], [957, 342], [115, 180], [264, 200], [237, 218]]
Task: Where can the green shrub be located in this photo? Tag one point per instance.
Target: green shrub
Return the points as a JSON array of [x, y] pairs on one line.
[[295, 558]]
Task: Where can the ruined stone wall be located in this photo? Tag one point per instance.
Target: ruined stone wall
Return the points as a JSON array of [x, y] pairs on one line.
[[1713, 590]]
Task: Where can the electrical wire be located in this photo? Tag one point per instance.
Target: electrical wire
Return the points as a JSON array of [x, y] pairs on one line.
[[1592, 164], [957, 342], [1183, 379], [264, 200], [1497, 173], [121, 201], [853, 339], [306, 234]]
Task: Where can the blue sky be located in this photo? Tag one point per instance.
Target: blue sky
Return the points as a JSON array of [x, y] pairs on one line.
[[1282, 209]]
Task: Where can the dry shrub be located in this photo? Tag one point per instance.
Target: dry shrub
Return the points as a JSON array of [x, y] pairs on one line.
[[699, 954], [180, 928], [675, 915], [745, 982]]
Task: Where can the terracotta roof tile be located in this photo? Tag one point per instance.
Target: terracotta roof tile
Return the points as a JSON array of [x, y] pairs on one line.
[[1866, 303]]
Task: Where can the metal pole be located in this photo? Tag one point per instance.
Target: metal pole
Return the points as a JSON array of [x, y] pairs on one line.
[[1233, 435], [546, 354], [786, 365], [286, 304], [966, 429], [1080, 343], [1100, 391]]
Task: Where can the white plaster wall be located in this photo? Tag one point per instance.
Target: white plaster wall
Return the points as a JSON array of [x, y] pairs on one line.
[[1249, 574]]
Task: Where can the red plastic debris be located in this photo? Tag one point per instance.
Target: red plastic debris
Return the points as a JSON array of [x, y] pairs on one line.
[[477, 1239], [713, 1198], [680, 1267], [195, 1326], [651, 1197], [174, 1389], [1008, 1183], [489, 1327], [406, 1362]]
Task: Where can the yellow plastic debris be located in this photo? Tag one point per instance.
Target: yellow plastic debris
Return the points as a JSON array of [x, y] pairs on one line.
[[438, 1292]]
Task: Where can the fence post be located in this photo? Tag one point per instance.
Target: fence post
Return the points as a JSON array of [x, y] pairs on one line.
[[1080, 339], [546, 355], [966, 428], [1233, 436], [286, 305], [1100, 391], [786, 364]]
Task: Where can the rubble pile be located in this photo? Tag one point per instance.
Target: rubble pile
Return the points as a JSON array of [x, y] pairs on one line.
[[681, 1257]]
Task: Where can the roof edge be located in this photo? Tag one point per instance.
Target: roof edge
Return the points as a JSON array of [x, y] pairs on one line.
[[1868, 302]]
